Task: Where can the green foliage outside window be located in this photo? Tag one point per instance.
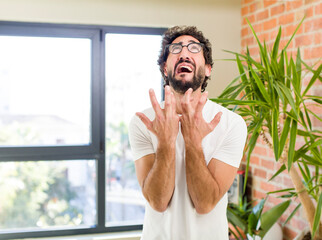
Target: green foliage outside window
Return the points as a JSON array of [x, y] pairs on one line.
[[34, 193]]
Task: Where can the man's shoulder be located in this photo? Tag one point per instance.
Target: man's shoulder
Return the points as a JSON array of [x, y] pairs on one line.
[[229, 119], [213, 108], [149, 112], [136, 123]]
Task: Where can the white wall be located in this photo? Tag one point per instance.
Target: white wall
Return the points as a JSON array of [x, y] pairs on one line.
[[220, 21]]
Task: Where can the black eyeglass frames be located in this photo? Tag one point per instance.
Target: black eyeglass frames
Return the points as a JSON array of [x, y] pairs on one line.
[[193, 47]]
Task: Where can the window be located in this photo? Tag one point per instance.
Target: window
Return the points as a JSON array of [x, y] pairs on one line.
[[67, 94], [38, 77], [47, 194], [127, 78]]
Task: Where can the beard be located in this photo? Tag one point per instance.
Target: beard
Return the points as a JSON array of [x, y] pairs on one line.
[[181, 86]]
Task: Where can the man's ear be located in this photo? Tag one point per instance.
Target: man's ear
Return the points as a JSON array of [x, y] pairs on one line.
[[165, 71], [207, 70]]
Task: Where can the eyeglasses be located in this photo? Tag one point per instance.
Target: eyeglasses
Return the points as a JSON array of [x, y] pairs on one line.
[[193, 47]]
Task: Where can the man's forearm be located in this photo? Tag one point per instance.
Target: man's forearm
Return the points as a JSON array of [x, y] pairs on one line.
[[202, 186], [159, 184]]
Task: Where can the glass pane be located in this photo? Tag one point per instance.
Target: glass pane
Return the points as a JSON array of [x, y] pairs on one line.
[[131, 70], [44, 91], [47, 194]]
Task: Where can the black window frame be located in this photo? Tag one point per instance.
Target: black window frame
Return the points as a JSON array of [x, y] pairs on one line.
[[96, 149]]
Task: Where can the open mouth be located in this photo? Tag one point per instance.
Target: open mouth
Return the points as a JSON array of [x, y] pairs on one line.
[[184, 69], [184, 66]]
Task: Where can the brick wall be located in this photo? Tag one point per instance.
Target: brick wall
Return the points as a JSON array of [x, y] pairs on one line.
[[266, 16]]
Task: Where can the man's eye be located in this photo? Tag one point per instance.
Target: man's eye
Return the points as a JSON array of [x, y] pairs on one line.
[[176, 47], [194, 47]]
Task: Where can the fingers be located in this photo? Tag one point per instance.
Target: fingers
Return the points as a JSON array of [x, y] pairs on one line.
[[168, 99], [145, 120], [185, 103], [201, 103], [155, 103], [214, 122], [187, 96], [173, 100], [169, 103]]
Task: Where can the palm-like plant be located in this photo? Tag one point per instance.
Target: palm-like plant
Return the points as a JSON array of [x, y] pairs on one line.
[[247, 221], [270, 95]]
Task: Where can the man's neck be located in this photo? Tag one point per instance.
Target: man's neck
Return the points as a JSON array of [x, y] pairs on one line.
[[195, 96]]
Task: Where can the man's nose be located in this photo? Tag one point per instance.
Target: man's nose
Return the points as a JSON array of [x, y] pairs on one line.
[[184, 54]]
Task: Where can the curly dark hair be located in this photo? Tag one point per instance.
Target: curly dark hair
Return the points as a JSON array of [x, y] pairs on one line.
[[170, 35]]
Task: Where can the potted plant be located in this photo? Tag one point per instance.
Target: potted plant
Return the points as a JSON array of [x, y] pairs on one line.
[[249, 222], [269, 94]]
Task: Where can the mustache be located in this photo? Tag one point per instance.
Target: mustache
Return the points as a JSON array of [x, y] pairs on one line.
[[182, 61]]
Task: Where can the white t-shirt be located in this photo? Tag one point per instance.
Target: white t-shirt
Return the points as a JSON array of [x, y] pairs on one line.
[[181, 221]]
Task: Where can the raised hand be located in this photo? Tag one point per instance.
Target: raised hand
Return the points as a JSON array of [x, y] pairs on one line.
[[193, 125], [166, 122]]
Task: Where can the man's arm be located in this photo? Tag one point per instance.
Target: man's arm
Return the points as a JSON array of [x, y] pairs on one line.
[[206, 184], [156, 175], [156, 172]]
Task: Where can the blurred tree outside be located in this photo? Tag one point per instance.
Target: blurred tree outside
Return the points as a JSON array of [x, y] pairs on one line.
[[34, 193], [123, 195], [17, 134], [120, 165]]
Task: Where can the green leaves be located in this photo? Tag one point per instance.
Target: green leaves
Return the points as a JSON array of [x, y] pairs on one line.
[[316, 76], [284, 136], [235, 218], [275, 133], [317, 216], [251, 219], [271, 216], [276, 44], [292, 144], [297, 28], [271, 97], [254, 217], [260, 86]]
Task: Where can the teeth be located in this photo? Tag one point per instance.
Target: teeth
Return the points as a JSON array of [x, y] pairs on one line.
[[186, 67]]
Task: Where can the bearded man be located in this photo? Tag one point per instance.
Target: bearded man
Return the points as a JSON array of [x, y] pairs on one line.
[[187, 149]]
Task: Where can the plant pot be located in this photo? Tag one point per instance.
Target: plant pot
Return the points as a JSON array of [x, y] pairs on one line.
[[274, 233], [303, 235]]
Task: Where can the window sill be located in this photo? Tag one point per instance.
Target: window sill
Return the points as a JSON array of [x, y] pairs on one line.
[[131, 235]]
